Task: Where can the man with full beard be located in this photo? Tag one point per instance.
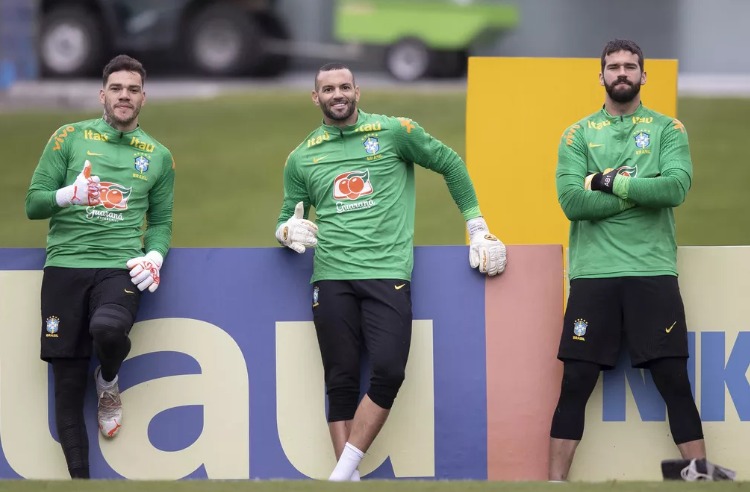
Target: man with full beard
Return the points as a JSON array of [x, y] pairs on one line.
[[620, 173], [357, 170], [98, 181]]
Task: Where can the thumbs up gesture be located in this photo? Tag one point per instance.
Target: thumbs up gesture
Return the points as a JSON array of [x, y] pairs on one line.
[[83, 191], [297, 233]]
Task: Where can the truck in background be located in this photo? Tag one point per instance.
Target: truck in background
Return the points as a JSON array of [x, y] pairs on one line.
[[219, 38]]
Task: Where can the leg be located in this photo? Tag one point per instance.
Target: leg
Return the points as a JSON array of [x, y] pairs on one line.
[[386, 327], [579, 380], [657, 332], [590, 340], [368, 421], [114, 304], [339, 431], [671, 379], [64, 297], [338, 328], [70, 388], [109, 329]]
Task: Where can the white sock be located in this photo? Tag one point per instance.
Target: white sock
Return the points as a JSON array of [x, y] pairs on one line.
[[105, 384], [355, 476], [348, 463]]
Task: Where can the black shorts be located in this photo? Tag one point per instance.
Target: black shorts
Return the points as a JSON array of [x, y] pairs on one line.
[[646, 311], [69, 298], [352, 315]]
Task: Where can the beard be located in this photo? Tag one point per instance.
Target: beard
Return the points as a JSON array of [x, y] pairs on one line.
[[109, 111], [621, 95], [331, 115]]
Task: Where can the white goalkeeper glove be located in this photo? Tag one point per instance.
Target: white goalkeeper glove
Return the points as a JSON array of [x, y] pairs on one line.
[[84, 191], [144, 270], [485, 250], [297, 233]]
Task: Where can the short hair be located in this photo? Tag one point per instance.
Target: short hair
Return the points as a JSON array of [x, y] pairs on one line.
[[622, 45], [123, 62], [332, 66]]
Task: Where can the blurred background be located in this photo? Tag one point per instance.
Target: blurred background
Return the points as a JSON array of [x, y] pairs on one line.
[[229, 82]]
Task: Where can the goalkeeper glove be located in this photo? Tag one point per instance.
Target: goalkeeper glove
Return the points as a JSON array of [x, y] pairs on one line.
[[603, 181], [84, 191], [144, 270], [297, 232], [485, 250]]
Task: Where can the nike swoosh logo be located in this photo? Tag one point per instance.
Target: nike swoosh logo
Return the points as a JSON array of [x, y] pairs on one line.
[[318, 159], [128, 291], [399, 287], [593, 145], [670, 328], [88, 152]]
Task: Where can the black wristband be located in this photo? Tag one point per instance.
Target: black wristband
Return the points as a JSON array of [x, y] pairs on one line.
[[604, 182]]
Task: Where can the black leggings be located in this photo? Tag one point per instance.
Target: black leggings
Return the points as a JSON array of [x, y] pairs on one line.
[[578, 381], [671, 379], [70, 389]]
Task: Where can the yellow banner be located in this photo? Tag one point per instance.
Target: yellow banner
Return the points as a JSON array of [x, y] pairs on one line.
[[516, 111]]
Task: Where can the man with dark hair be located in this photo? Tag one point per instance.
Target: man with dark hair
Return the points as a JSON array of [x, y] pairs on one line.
[[98, 181], [357, 170], [620, 173]]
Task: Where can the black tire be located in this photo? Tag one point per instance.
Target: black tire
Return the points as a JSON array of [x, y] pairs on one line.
[[223, 40], [71, 43], [272, 63], [449, 64], [409, 59]]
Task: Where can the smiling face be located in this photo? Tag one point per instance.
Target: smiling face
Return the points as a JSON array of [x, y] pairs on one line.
[[122, 98], [622, 77], [337, 95]]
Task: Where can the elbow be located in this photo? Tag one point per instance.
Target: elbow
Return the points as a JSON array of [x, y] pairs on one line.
[[678, 197], [677, 201], [35, 210], [571, 212], [572, 216], [32, 213]]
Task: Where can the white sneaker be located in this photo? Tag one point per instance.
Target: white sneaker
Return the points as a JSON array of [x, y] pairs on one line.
[[109, 411]]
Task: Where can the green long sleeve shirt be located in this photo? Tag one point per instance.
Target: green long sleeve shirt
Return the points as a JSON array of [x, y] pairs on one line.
[[360, 179], [136, 174], [630, 232]]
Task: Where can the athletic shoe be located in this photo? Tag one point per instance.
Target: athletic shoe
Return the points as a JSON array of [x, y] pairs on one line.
[[109, 412]]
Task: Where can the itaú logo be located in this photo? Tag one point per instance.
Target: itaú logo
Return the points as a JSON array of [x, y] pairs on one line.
[[177, 396]]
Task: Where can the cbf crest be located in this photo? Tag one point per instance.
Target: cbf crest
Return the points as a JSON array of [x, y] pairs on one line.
[[579, 329], [53, 326], [141, 164], [642, 140], [371, 145]]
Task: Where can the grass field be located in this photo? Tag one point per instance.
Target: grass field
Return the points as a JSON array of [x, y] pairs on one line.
[[230, 153], [365, 486]]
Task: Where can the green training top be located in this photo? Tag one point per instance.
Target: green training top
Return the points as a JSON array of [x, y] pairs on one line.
[[137, 183], [360, 179], [630, 232]]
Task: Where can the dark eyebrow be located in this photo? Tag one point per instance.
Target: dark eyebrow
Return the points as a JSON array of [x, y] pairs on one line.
[[132, 86], [626, 64]]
